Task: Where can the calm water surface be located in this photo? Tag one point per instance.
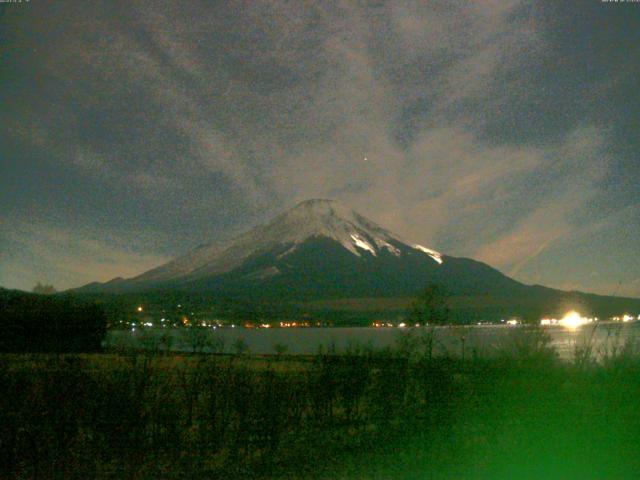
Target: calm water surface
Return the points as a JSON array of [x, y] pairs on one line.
[[480, 340]]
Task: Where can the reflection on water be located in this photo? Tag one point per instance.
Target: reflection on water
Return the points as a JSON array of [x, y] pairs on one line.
[[601, 338]]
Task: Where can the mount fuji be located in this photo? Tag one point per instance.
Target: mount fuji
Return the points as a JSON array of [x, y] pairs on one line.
[[323, 250], [320, 248]]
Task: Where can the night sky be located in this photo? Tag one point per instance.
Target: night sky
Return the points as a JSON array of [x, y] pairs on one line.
[[502, 130]]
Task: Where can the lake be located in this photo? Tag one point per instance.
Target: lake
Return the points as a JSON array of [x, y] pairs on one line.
[[455, 340]]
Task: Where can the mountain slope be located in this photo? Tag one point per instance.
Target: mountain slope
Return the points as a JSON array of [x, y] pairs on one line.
[[318, 249], [310, 219]]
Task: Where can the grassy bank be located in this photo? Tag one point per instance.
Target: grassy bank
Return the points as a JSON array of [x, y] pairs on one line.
[[390, 414]]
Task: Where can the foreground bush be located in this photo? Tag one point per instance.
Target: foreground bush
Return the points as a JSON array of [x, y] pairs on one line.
[[369, 414]]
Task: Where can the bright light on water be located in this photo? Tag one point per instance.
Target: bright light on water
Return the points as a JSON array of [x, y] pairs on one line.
[[573, 320]]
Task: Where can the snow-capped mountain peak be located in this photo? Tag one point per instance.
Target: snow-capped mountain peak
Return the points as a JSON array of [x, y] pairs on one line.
[[328, 219], [317, 218]]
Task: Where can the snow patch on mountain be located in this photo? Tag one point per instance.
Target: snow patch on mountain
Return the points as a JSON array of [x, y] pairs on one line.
[[382, 244], [364, 245], [263, 274], [290, 250], [437, 256]]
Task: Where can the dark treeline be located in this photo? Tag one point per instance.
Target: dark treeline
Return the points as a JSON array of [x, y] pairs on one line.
[[367, 414], [46, 323], [164, 304], [174, 304]]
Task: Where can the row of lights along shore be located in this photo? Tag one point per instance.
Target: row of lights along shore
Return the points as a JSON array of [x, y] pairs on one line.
[[571, 320]]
